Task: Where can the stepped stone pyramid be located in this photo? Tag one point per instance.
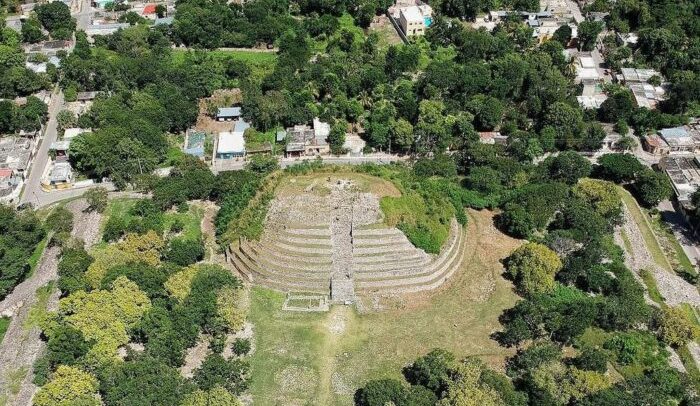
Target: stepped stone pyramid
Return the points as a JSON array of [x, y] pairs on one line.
[[336, 244]]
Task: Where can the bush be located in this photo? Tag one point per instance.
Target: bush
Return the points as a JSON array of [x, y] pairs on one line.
[[60, 220], [241, 346], [177, 226], [97, 199], [115, 228], [185, 252]]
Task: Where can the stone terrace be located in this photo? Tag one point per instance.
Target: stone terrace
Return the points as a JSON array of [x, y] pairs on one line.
[[336, 244]]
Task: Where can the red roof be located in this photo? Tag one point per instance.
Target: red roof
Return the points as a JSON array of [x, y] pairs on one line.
[[149, 9], [5, 173]]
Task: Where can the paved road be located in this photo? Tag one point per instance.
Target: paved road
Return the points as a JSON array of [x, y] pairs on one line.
[[681, 230], [32, 185], [84, 16]]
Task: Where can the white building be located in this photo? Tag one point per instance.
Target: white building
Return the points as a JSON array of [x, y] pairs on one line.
[[411, 21]]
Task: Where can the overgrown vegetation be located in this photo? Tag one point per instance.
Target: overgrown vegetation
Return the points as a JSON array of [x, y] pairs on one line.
[[20, 233]]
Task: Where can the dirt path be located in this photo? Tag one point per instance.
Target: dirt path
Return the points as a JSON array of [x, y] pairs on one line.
[[22, 343]]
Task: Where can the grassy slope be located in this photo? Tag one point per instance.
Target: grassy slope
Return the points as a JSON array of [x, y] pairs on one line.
[[645, 228], [299, 360]]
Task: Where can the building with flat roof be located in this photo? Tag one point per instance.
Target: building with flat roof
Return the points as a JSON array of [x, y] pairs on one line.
[[70, 133], [676, 140], [684, 172], [230, 145], [303, 140], [194, 143]]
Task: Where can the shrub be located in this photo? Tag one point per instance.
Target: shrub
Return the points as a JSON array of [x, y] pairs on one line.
[[97, 199], [241, 346], [60, 220], [185, 252]]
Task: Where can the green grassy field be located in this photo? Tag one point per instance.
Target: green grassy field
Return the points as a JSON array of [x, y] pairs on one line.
[[322, 358], [191, 219], [671, 246]]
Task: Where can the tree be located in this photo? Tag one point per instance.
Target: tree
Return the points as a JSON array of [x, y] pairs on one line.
[[487, 110], [71, 270], [185, 252], [601, 195], [562, 35], [588, 34], [380, 393], [566, 121], [31, 31], [217, 396], [402, 135], [674, 327], [216, 371], [592, 359], [618, 168], [65, 346], [69, 386], [144, 381], [60, 220], [466, 389], [651, 187], [621, 127], [567, 167], [431, 370], [161, 10], [533, 267], [66, 119], [56, 18], [336, 138], [96, 199]]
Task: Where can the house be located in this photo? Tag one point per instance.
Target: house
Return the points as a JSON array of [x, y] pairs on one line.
[[8, 182], [86, 96], [411, 21], [597, 16], [307, 141], [60, 148], [627, 39], [492, 137], [230, 145], [104, 29], [60, 176], [592, 96], [15, 154], [586, 67], [163, 21], [637, 81], [228, 113], [680, 140], [36, 67], [194, 143], [70, 133], [684, 173], [149, 11], [656, 145]]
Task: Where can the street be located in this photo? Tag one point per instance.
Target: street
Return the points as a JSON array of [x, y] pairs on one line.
[[677, 222], [32, 185]]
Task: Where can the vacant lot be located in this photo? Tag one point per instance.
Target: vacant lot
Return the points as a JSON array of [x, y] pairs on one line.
[[321, 358]]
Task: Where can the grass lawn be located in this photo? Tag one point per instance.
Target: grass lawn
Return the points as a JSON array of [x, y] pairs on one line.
[[4, 324], [642, 220], [322, 358], [261, 63], [190, 219]]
